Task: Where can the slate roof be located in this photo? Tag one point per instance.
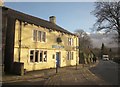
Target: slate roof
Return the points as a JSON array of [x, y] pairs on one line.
[[34, 20]]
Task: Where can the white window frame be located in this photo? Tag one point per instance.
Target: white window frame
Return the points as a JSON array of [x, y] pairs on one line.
[[30, 55], [35, 56], [42, 56], [38, 58], [70, 55], [34, 36], [70, 41], [40, 37]]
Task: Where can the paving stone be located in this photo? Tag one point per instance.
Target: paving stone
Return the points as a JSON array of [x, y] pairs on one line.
[[65, 76]]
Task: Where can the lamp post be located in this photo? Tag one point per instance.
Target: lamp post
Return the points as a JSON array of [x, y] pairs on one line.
[[76, 53], [59, 40], [56, 67], [81, 48], [19, 50]]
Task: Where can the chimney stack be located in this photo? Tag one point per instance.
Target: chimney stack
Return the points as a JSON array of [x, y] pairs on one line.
[[52, 19], [1, 3]]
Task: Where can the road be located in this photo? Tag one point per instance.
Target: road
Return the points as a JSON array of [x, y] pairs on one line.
[[107, 70]]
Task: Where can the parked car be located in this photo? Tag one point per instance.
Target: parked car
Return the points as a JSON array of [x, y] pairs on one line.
[[105, 57]]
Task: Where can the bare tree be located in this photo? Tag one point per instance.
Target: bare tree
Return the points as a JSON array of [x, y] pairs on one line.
[[84, 45], [108, 17], [84, 39]]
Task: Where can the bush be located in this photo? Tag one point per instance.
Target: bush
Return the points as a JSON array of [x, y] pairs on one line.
[[117, 60]]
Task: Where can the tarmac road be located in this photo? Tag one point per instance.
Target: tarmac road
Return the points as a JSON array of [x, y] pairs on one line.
[[107, 70]]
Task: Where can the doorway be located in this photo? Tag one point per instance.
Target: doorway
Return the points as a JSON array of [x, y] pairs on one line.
[[58, 59]]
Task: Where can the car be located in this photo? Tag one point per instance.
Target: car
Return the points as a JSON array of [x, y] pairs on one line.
[[105, 57]]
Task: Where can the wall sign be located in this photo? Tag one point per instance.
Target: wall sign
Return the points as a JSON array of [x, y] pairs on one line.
[[57, 46]]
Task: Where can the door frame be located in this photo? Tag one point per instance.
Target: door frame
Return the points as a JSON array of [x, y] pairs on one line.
[[58, 57]]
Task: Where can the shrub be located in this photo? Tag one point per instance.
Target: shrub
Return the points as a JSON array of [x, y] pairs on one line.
[[117, 60]]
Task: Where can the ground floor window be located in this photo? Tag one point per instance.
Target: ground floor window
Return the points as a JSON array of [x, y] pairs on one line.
[[45, 56], [31, 55], [38, 56], [70, 55], [41, 56]]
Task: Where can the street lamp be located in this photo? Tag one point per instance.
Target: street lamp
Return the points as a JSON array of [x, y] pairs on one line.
[[81, 50], [56, 67], [77, 47], [59, 40]]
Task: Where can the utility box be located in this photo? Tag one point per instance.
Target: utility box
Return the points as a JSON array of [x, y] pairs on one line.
[[18, 68]]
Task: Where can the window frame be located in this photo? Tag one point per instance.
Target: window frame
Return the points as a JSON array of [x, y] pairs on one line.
[[38, 55], [70, 55], [42, 56], [39, 36], [34, 35], [30, 56], [70, 41]]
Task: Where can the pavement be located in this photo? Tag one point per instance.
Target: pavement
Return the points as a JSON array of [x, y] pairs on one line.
[[65, 76]]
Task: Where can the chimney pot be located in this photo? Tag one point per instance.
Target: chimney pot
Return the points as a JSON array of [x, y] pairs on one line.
[[52, 19]]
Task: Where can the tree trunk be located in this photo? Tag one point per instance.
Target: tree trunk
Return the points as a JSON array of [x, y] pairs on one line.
[[118, 43]]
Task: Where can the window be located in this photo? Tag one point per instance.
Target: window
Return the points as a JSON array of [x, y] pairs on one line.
[[38, 56], [32, 56], [70, 55], [70, 41], [44, 37], [45, 56], [39, 36], [41, 56], [34, 35]]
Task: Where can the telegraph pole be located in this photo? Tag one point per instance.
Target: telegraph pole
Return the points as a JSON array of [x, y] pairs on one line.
[[76, 53]]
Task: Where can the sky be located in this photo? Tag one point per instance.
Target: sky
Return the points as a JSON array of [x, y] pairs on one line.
[[69, 15]]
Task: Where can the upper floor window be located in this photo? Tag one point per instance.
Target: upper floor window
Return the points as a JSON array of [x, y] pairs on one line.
[[39, 36], [70, 41], [43, 35], [35, 35]]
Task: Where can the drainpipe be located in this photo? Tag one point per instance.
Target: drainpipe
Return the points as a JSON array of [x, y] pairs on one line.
[[19, 41]]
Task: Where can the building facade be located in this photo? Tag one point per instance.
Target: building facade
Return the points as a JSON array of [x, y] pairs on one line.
[[37, 43]]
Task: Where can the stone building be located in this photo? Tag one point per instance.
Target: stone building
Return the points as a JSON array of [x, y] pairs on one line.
[[36, 43]]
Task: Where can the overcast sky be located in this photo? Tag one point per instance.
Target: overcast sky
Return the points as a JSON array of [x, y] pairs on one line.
[[107, 39]]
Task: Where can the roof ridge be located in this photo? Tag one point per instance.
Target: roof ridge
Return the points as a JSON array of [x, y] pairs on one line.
[[36, 20]]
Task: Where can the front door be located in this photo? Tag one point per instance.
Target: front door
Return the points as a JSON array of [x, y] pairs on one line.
[[58, 59]]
